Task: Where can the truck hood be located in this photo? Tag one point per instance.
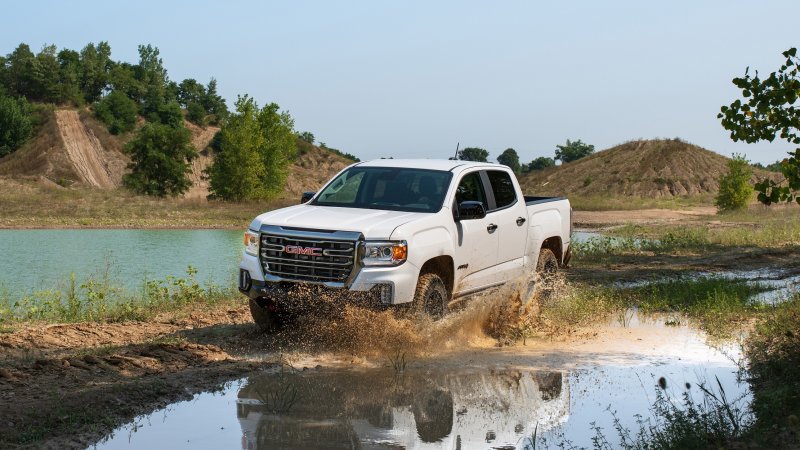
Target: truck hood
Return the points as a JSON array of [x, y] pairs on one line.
[[373, 223]]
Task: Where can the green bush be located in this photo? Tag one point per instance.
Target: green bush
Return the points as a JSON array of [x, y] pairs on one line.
[[160, 156], [196, 114], [117, 111], [15, 123], [734, 187]]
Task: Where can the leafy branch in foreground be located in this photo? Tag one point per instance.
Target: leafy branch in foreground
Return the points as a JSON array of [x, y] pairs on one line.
[[768, 112]]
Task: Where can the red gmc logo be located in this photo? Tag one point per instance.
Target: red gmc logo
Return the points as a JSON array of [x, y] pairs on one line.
[[298, 250]]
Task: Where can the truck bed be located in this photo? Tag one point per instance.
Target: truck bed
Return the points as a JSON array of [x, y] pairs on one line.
[[536, 200]]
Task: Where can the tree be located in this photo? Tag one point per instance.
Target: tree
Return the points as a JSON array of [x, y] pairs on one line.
[[196, 114], [573, 150], [510, 158], [473, 154], [117, 111], [47, 76], [256, 146], [20, 72], [160, 157], [95, 67], [15, 123], [734, 187], [541, 163], [768, 112], [69, 62], [306, 136]]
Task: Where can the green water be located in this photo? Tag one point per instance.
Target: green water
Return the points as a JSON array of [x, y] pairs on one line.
[[32, 260]]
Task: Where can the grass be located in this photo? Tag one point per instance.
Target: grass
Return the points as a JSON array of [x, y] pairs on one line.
[[713, 422], [758, 226], [773, 350], [27, 204], [719, 305], [577, 306], [101, 301], [622, 203], [716, 421]]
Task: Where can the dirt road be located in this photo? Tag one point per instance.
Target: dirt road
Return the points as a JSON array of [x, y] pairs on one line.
[[83, 149]]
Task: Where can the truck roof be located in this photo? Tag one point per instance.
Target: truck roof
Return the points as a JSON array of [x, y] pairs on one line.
[[432, 164]]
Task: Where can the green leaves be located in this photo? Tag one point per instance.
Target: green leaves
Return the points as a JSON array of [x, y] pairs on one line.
[[573, 150], [765, 114], [160, 156], [734, 187], [256, 146]]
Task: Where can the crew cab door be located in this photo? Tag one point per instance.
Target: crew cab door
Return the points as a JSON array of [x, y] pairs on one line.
[[509, 214], [476, 240]]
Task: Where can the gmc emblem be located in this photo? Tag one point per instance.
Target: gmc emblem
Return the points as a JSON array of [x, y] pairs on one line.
[[298, 250]]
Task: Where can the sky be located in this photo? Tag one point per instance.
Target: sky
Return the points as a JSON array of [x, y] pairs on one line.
[[416, 78]]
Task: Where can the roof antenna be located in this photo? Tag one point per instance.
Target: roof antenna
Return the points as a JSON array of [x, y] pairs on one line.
[[455, 157]]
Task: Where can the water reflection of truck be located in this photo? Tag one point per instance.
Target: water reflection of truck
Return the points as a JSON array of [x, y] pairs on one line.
[[323, 409]]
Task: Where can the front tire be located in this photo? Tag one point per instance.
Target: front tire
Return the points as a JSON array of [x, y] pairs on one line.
[[431, 297], [265, 318]]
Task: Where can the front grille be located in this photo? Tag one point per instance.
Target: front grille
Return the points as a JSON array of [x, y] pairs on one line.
[[334, 262]]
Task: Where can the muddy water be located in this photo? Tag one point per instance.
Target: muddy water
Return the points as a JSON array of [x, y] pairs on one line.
[[473, 397]]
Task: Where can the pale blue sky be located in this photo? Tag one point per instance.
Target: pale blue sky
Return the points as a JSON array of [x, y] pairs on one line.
[[412, 78]]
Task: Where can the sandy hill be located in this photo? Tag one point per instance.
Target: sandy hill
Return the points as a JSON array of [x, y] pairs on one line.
[[647, 168], [74, 148]]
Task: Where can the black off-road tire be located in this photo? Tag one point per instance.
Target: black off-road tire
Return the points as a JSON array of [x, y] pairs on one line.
[[266, 320], [431, 297], [546, 270]]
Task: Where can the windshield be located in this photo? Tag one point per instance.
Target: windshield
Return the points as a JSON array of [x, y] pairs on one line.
[[392, 188]]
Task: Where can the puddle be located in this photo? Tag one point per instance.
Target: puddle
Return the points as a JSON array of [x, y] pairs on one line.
[[489, 398], [779, 285], [599, 240]]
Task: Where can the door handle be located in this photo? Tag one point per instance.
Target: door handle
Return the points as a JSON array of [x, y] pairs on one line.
[[520, 221], [491, 228]]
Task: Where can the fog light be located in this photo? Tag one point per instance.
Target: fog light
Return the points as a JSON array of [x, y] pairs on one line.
[[244, 280], [385, 293]]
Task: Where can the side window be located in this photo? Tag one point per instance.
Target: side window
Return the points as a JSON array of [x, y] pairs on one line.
[[471, 189], [502, 188]]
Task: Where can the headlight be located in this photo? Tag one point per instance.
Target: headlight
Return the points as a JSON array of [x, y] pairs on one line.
[[387, 253], [251, 242]]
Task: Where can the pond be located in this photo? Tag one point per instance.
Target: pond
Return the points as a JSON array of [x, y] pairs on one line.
[[32, 260], [449, 402]]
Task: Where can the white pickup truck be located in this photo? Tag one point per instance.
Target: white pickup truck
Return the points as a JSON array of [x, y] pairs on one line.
[[424, 232]]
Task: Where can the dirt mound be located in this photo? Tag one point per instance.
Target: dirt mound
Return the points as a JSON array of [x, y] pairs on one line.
[[659, 168], [71, 147], [311, 170], [201, 138]]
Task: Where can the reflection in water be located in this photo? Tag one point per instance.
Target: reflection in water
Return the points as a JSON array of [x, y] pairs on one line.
[[375, 409]]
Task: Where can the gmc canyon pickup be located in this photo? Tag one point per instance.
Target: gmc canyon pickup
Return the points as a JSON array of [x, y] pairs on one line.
[[419, 232]]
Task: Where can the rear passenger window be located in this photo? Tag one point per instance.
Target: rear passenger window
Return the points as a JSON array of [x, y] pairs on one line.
[[502, 187]]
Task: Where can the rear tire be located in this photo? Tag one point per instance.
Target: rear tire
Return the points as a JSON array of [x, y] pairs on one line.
[[264, 318], [546, 270], [431, 297]]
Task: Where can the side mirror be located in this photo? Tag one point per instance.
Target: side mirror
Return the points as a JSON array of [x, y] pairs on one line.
[[307, 196], [470, 210]]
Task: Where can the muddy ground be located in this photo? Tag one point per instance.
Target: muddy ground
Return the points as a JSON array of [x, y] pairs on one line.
[[69, 385]]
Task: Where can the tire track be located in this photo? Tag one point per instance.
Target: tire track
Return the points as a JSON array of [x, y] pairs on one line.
[[83, 149]]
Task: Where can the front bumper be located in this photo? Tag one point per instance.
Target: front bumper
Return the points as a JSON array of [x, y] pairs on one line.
[[399, 281]]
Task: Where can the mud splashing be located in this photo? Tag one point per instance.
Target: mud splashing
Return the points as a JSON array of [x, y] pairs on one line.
[[494, 318]]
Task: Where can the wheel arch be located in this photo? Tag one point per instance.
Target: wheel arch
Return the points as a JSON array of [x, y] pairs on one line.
[[442, 266]]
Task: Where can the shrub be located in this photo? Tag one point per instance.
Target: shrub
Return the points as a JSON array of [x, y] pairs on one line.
[[160, 156], [196, 114], [734, 187], [117, 111], [15, 123]]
